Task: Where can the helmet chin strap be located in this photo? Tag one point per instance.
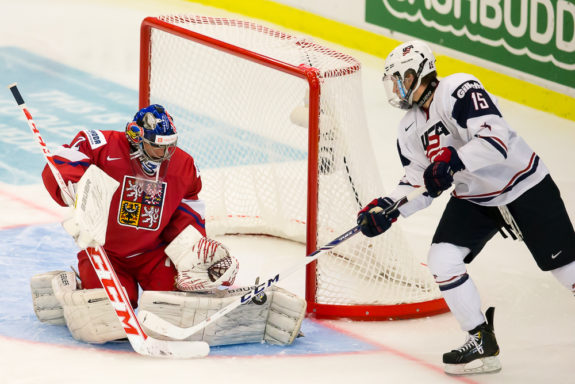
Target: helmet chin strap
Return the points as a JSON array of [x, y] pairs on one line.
[[409, 96], [427, 93]]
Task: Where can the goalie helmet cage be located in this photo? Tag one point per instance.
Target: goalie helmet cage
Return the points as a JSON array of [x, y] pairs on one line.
[[277, 126]]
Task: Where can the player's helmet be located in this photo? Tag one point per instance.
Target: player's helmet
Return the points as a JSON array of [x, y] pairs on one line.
[[153, 136], [413, 57]]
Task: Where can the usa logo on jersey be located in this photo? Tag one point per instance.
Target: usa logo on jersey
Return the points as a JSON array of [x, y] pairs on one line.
[[142, 203]]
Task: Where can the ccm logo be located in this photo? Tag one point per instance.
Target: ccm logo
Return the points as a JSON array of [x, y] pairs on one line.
[[259, 288], [120, 306]]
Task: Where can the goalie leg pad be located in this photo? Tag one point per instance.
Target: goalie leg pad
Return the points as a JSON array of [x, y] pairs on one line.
[[46, 307], [276, 321], [245, 324], [89, 314], [286, 314]]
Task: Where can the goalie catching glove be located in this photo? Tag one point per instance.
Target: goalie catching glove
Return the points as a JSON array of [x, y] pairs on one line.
[[203, 264]]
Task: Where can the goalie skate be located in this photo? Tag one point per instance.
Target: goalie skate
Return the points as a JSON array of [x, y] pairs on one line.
[[479, 354]]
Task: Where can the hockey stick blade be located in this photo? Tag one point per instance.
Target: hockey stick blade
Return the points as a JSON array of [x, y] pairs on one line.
[[140, 341], [157, 324], [172, 348]]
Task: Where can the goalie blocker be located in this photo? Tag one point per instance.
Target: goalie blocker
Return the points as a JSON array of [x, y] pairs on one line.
[[90, 317]]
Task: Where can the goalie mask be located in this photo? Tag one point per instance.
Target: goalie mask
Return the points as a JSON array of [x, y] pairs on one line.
[[152, 135], [411, 58]]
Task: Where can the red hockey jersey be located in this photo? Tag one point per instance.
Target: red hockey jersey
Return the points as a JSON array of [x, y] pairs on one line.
[[144, 213]]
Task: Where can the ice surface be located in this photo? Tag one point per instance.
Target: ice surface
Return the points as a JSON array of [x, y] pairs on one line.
[[91, 48]]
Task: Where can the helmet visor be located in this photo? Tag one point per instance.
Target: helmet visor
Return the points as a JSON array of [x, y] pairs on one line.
[[397, 95], [162, 148]]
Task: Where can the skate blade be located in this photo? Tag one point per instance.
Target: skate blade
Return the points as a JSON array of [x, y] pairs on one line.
[[485, 365]]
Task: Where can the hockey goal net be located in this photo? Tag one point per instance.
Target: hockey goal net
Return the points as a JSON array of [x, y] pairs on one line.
[[276, 124]]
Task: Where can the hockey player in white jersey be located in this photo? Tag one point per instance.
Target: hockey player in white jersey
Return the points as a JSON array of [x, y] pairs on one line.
[[454, 133]]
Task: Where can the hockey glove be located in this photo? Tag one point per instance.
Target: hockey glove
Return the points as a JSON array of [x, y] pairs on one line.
[[371, 219], [438, 176], [203, 264]]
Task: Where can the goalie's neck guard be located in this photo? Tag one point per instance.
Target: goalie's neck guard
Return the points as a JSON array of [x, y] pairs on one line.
[[144, 167]]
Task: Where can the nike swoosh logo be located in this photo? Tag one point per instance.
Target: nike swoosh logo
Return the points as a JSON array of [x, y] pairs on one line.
[[409, 126], [554, 256], [112, 158]]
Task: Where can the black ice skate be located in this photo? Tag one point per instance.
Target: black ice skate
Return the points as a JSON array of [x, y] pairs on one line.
[[478, 354]]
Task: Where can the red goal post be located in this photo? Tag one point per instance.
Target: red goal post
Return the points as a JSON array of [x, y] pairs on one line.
[[277, 127]]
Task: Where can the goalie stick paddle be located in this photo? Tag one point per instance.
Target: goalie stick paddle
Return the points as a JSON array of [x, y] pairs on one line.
[[163, 327], [140, 341]]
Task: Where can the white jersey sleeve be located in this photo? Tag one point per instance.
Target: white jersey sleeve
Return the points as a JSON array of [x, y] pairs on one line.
[[414, 164], [499, 165]]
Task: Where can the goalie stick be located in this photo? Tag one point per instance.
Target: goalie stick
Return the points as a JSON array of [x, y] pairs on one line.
[[140, 341], [163, 327]]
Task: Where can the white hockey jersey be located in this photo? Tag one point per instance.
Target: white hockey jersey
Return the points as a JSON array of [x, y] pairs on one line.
[[499, 165]]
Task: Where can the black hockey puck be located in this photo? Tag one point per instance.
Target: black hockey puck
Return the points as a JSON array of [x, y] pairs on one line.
[[260, 299]]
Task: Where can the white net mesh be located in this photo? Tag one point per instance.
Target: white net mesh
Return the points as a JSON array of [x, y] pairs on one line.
[[245, 123]]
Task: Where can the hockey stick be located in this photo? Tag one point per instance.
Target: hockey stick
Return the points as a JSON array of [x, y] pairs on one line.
[[163, 327], [140, 341]]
